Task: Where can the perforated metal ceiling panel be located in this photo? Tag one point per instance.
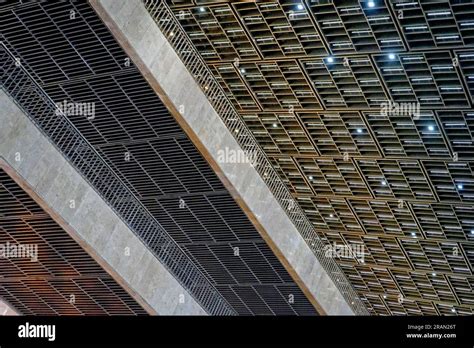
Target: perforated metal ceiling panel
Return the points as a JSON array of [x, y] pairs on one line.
[[309, 79], [141, 162]]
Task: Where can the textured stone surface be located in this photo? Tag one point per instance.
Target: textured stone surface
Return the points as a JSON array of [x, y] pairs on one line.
[[160, 64], [93, 223], [6, 310]]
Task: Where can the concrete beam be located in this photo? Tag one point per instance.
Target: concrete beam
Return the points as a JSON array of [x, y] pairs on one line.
[[41, 170], [6, 309], [149, 49]]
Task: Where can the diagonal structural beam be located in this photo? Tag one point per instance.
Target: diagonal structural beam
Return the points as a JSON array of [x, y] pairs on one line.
[[42, 171], [158, 61]]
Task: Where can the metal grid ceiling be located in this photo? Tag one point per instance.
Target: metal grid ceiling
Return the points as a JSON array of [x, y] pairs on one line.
[[309, 78], [65, 280], [79, 61]]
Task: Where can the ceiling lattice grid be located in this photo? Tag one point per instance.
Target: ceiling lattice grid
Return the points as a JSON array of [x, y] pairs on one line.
[[77, 59], [312, 81]]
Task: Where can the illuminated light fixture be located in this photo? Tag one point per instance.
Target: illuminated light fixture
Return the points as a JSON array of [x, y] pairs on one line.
[[310, 177], [433, 274], [330, 59], [331, 215], [440, 13], [413, 234], [391, 56], [371, 4], [460, 186], [236, 130], [472, 232], [431, 128], [275, 125], [242, 71], [384, 296], [300, 7], [384, 183], [202, 9], [359, 130], [453, 310]]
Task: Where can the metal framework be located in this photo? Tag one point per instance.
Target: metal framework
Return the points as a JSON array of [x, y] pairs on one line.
[[165, 191], [217, 95], [307, 82], [42, 110]]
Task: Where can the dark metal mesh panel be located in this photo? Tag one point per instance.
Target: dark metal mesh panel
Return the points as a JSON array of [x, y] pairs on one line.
[[197, 242]]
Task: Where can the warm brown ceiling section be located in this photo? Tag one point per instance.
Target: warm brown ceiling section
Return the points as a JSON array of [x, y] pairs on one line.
[[53, 275], [309, 78]]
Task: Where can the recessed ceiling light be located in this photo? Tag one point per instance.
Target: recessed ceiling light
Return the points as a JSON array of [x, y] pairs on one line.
[[391, 56], [310, 177], [300, 7], [453, 310], [242, 71], [371, 4], [330, 59], [331, 215], [431, 128], [384, 183], [460, 186], [202, 9], [433, 274], [275, 125], [359, 130], [384, 296], [413, 234], [472, 231]]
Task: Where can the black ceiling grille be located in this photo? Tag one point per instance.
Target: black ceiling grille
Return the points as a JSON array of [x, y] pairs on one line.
[[64, 280], [208, 243], [398, 183]]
